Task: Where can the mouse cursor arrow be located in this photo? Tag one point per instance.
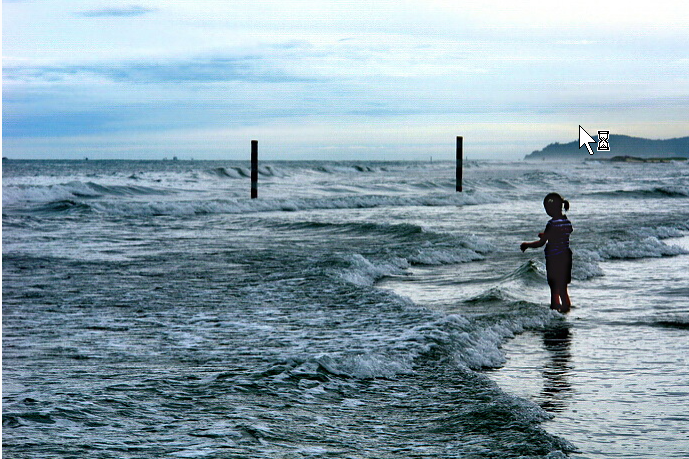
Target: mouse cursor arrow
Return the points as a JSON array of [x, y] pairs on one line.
[[585, 139]]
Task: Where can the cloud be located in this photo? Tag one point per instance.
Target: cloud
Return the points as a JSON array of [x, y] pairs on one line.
[[252, 69], [148, 68], [129, 11]]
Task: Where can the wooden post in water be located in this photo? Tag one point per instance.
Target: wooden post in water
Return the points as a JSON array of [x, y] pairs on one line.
[[254, 169], [460, 140]]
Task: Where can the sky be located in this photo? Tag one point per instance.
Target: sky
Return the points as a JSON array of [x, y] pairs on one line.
[[336, 80]]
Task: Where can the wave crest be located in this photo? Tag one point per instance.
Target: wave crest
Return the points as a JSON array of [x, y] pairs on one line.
[[650, 247], [238, 172], [16, 195], [667, 191]]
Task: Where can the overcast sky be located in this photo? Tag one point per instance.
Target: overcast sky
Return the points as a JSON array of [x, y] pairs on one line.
[[345, 79]]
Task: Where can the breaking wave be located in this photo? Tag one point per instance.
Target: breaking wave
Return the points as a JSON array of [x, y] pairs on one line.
[[75, 190], [238, 172], [669, 191], [237, 206], [650, 247]]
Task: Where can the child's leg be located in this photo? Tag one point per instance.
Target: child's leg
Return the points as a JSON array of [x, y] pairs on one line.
[[554, 297], [565, 297], [564, 294]]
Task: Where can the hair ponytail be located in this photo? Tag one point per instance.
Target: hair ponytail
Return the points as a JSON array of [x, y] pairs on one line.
[[555, 199]]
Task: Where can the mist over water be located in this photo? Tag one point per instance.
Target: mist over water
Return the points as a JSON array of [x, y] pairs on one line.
[[356, 309]]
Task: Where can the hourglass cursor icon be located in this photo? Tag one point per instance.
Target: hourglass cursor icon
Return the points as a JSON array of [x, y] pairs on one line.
[[585, 139]]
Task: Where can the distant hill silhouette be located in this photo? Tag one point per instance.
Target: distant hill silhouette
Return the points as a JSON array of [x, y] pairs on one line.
[[620, 145]]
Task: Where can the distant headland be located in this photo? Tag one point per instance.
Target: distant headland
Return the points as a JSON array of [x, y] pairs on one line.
[[621, 148]]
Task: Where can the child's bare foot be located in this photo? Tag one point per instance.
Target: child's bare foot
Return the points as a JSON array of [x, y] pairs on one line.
[[555, 306], [564, 309]]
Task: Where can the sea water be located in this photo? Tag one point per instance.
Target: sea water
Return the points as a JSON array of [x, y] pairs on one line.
[[355, 309]]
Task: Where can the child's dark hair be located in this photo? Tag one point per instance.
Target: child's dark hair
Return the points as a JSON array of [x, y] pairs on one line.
[[555, 199]]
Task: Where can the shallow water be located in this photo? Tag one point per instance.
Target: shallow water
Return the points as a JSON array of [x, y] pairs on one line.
[[150, 309], [623, 365]]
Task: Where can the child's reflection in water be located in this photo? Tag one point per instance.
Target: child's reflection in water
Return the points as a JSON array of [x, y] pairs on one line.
[[556, 386]]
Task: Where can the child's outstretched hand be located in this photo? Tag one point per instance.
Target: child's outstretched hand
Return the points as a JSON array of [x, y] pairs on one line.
[[524, 246]]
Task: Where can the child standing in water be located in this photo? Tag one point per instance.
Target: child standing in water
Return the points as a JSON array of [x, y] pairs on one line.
[[558, 256]]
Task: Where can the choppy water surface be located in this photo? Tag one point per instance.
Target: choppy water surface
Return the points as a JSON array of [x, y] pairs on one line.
[[150, 309]]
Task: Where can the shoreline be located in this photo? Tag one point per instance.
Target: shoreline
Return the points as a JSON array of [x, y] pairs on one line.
[[611, 376]]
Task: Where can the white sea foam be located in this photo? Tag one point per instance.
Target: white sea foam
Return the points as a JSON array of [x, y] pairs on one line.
[[660, 232], [469, 343], [239, 172], [15, 195], [477, 344], [462, 250], [657, 192], [586, 264], [649, 247], [74, 190], [227, 173], [235, 206], [367, 365], [443, 256], [363, 272]]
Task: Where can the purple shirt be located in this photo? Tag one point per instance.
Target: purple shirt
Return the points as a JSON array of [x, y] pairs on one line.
[[557, 231]]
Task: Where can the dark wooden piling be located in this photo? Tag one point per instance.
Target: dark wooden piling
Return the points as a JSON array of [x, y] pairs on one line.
[[460, 140], [254, 169]]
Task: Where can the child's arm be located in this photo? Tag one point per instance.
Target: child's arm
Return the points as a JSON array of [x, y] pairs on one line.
[[535, 244]]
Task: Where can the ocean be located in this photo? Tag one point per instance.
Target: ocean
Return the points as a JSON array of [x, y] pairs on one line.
[[354, 310]]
